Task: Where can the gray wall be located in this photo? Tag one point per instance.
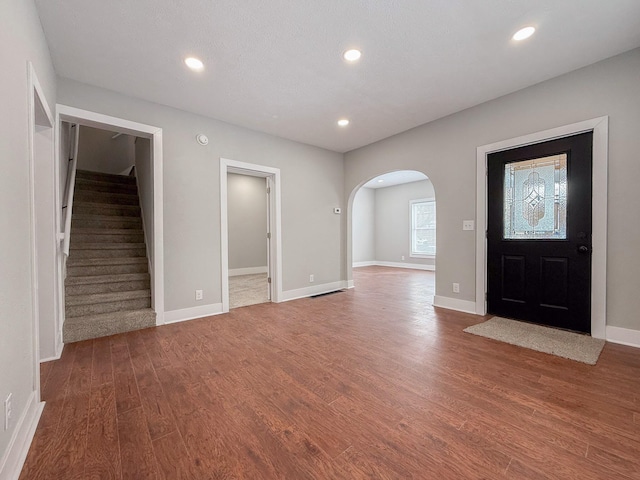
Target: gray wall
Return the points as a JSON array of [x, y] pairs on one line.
[[312, 185], [247, 220], [364, 225], [445, 150], [98, 152], [393, 226], [21, 40], [144, 179]]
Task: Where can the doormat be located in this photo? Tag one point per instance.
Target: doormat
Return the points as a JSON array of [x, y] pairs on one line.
[[574, 346]]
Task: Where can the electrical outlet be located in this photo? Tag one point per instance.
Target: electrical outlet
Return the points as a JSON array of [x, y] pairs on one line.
[[311, 280], [402, 257], [198, 294], [456, 288], [468, 225], [7, 412]]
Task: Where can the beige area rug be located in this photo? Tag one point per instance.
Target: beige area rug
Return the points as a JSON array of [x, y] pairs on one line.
[[247, 290], [574, 346]]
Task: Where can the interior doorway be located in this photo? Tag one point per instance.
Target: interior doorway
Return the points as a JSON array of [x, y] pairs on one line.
[[264, 181], [393, 225], [153, 219], [248, 200]]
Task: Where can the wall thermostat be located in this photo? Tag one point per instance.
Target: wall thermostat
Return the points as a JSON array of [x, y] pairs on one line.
[[202, 139], [337, 210]]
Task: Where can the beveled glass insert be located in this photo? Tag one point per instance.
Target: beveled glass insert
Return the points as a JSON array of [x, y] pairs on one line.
[[535, 198]]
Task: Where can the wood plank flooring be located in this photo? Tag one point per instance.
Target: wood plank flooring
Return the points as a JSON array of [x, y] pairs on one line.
[[369, 383]]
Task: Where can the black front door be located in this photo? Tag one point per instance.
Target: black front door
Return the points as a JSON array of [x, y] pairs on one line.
[[539, 233]]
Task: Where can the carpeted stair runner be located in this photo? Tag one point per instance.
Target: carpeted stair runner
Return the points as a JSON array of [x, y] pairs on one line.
[[107, 289]]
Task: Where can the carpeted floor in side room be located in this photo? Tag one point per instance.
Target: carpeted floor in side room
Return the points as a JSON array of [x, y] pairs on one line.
[[247, 290]]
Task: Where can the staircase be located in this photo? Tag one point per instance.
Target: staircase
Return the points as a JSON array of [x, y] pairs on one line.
[[107, 289]]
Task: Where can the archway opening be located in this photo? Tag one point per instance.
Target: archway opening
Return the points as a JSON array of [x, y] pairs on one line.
[[393, 231]]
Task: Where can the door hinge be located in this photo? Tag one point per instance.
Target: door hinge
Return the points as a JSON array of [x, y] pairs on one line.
[[486, 296], [486, 234], [268, 279], [268, 235], [268, 190]]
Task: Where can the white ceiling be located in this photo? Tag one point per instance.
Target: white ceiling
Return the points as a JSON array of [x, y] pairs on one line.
[[276, 65], [395, 178]]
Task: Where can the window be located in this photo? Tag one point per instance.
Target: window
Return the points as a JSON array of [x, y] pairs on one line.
[[423, 228]]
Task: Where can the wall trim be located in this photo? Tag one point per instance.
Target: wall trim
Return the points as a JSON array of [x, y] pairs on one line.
[[305, 292], [121, 125], [623, 336], [236, 272], [369, 263], [465, 306], [600, 128], [184, 314], [13, 460]]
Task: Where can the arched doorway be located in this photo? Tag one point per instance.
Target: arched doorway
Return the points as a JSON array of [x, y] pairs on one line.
[[392, 230]]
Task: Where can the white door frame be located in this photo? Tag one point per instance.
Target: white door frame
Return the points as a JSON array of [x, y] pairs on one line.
[[600, 128], [36, 94], [275, 254], [119, 125]]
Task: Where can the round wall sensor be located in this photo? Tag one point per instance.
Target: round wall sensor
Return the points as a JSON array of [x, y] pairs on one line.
[[202, 139]]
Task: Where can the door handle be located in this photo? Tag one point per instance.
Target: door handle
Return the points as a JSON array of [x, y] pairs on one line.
[[583, 249]]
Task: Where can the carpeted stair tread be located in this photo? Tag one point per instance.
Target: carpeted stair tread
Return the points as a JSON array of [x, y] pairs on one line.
[[106, 297], [106, 187], [106, 231], [140, 251], [106, 198], [104, 177], [106, 246], [108, 287], [117, 269], [108, 237], [80, 207], [87, 262], [90, 279], [106, 221], [105, 324]]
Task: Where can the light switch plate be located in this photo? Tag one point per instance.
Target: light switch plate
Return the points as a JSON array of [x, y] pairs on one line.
[[468, 225]]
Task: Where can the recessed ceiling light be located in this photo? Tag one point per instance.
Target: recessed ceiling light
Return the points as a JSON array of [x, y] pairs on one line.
[[352, 55], [523, 33], [380, 181], [343, 122], [194, 63]]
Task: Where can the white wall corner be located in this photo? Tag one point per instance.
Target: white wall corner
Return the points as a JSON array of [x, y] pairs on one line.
[[13, 460], [449, 303], [298, 293], [623, 336], [182, 315]]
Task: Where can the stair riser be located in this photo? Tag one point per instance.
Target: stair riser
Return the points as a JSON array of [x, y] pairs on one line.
[[93, 309], [89, 186], [119, 253], [105, 209], [108, 198], [135, 224], [106, 270], [77, 330], [105, 177], [90, 289], [79, 238]]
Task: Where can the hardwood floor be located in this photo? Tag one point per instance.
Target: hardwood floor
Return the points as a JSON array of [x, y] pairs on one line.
[[369, 383]]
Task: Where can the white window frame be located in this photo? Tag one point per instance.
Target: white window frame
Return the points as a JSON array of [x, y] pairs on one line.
[[413, 254]]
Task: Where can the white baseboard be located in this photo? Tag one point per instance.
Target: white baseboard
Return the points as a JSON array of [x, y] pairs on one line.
[[58, 354], [351, 284], [236, 272], [369, 263], [313, 290], [413, 266], [465, 306], [185, 314], [623, 336], [13, 460]]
